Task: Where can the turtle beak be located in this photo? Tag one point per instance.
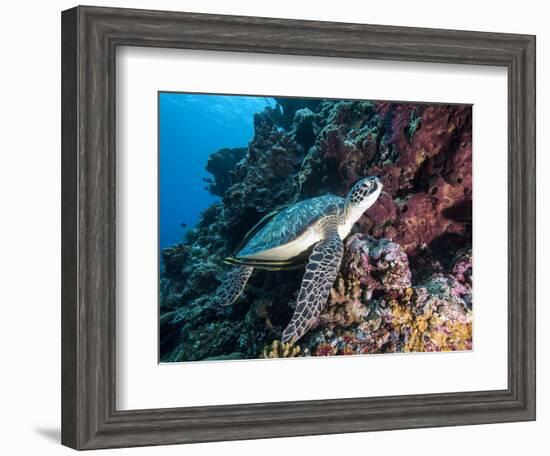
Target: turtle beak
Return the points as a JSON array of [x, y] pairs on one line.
[[377, 183], [377, 186]]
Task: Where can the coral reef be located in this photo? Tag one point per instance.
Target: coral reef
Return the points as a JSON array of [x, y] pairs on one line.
[[374, 307], [277, 349], [405, 283], [221, 164]]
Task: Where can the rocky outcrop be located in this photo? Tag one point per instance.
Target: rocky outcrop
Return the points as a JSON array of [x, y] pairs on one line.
[[221, 165]]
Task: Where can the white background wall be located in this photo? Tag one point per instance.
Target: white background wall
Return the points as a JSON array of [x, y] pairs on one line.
[[30, 224]]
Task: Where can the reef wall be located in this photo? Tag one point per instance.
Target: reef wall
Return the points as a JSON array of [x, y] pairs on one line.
[[406, 278]]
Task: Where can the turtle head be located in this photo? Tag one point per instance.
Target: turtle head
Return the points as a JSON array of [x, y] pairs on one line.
[[362, 196]]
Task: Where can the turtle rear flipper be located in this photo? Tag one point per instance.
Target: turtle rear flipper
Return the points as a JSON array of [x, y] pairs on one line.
[[321, 271], [232, 285]]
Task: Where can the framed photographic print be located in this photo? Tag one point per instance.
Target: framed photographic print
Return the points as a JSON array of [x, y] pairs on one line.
[[279, 228]]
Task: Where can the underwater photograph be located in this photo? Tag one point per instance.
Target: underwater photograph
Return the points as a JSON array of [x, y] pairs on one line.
[[296, 227]]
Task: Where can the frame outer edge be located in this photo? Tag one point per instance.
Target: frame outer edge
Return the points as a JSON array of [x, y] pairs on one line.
[[89, 419], [70, 391], [529, 120], [522, 235]]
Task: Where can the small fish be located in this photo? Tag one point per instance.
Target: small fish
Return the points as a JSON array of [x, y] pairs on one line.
[[183, 225]]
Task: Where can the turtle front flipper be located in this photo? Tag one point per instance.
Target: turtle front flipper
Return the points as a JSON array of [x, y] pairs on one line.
[[232, 285], [321, 270]]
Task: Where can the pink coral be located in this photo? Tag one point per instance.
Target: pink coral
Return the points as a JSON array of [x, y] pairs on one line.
[[424, 161]]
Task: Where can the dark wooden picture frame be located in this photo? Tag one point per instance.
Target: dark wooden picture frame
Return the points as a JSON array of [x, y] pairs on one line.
[[90, 37]]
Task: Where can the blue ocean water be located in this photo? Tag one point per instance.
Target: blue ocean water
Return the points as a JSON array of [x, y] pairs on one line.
[[191, 128]]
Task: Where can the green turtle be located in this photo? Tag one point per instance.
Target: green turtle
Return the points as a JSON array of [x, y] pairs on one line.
[[310, 232]]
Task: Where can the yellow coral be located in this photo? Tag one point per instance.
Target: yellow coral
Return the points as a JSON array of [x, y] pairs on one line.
[[279, 350], [429, 331], [409, 293]]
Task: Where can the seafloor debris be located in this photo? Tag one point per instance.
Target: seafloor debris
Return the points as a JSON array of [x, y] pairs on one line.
[[405, 283]]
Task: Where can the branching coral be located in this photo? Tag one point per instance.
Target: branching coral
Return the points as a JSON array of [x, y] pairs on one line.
[[278, 349]]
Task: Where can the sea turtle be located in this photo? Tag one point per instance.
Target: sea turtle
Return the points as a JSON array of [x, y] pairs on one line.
[[310, 232]]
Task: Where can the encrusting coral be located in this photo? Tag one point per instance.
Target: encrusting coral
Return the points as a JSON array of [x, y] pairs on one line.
[[375, 308], [405, 283]]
